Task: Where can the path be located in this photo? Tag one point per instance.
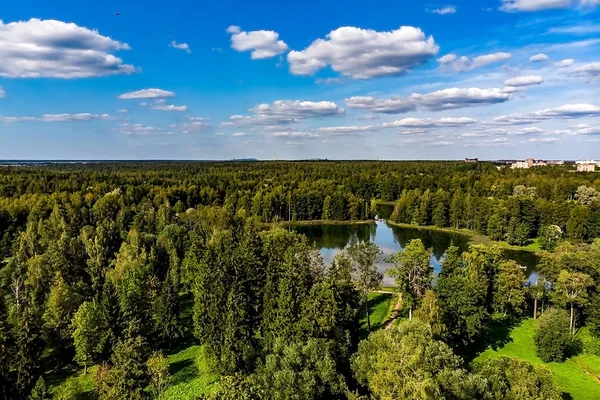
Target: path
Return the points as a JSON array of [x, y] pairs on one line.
[[394, 314]]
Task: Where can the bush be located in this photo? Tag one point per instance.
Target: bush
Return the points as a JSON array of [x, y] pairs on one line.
[[553, 337], [70, 390]]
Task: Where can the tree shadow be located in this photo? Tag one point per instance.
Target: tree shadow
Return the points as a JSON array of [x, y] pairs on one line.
[[566, 396], [183, 371]]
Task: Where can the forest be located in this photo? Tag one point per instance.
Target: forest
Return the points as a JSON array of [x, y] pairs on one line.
[[180, 280]]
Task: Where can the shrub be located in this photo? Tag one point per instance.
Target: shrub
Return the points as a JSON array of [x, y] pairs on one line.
[[553, 337]]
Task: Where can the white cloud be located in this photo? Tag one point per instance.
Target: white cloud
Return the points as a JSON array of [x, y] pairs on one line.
[[524, 81], [462, 64], [282, 112], [423, 123], [347, 129], [263, 44], [564, 63], [55, 49], [512, 89], [147, 94], [196, 125], [544, 140], [535, 5], [457, 98], [394, 105], [58, 118], [240, 134], [539, 57], [576, 29], [440, 100], [365, 53], [137, 129], [122, 110], [566, 111], [444, 10], [1, 92], [590, 71], [530, 130], [181, 46], [169, 107]]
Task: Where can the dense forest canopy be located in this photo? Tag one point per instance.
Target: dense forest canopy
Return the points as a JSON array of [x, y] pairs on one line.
[[110, 267]]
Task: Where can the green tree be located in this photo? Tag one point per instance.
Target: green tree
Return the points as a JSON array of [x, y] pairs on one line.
[[577, 225], [571, 288], [537, 292], [550, 236], [39, 391], [404, 362], [62, 303], [364, 257], [89, 333], [514, 379], [299, 371], [593, 316], [412, 272], [553, 336], [509, 293], [430, 312], [158, 370], [69, 390]]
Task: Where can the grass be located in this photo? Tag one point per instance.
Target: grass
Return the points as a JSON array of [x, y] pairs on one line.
[[191, 374], [380, 306], [578, 377]]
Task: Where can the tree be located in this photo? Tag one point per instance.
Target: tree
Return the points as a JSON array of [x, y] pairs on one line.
[[404, 362], [62, 303], [364, 257], [553, 336], [69, 390], [158, 370], [509, 295], [412, 272], [550, 236], [537, 291], [463, 313], [510, 378], [587, 195], [89, 333], [593, 316], [577, 225], [572, 288], [39, 391], [299, 371], [430, 313]]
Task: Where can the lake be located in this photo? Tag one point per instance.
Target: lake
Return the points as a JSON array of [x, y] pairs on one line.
[[332, 239]]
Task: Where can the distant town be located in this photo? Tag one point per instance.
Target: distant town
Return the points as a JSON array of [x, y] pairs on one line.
[[581, 165]]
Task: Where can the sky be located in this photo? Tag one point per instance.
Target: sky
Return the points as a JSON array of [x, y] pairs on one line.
[[493, 79]]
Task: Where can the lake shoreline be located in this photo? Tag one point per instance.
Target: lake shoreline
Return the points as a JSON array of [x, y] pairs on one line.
[[474, 237], [325, 222]]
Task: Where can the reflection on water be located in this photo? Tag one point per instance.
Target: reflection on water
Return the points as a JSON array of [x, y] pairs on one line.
[[332, 239]]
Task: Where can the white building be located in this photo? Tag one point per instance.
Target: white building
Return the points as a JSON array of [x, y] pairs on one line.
[[587, 166]]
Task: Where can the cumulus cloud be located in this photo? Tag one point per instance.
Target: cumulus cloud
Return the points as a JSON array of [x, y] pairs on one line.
[[461, 64], [394, 105], [423, 123], [196, 124], [55, 49], [137, 129], [147, 94], [282, 112], [181, 46], [564, 63], [347, 129], [589, 71], [544, 140], [239, 134], [539, 57], [524, 81], [446, 99], [458, 98], [444, 10], [262, 44], [365, 53], [327, 81], [567, 111]]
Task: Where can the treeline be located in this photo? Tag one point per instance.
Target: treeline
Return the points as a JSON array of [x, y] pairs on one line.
[[517, 218]]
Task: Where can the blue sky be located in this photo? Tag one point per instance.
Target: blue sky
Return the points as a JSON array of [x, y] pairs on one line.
[[312, 79]]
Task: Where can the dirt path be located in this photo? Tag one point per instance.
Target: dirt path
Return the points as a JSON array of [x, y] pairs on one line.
[[394, 314]]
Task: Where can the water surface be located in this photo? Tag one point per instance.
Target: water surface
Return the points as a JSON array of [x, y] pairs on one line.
[[332, 239]]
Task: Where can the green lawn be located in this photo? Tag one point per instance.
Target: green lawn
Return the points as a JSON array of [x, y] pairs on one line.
[[579, 377], [380, 306], [190, 374]]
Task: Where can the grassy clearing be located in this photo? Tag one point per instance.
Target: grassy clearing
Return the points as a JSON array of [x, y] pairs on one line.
[[381, 306], [579, 377], [191, 374]]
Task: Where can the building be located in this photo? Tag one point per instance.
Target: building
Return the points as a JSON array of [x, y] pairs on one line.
[[587, 166], [529, 163], [471, 160]]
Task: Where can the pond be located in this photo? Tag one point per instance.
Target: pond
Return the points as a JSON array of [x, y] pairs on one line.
[[332, 239]]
